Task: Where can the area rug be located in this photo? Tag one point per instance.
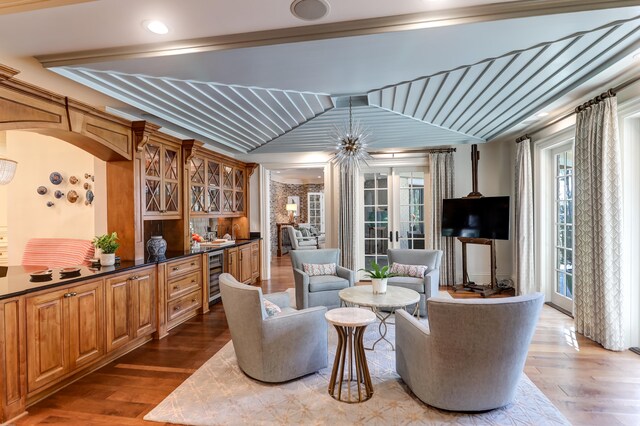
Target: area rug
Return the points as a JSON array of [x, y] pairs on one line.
[[218, 393]]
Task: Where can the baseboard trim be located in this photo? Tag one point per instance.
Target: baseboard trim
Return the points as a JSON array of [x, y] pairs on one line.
[[635, 350], [559, 309]]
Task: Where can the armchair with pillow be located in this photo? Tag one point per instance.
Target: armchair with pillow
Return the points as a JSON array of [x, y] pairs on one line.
[[319, 278], [312, 231], [417, 270], [299, 241], [273, 342]]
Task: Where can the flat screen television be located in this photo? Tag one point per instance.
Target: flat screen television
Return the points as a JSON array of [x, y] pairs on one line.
[[484, 217]]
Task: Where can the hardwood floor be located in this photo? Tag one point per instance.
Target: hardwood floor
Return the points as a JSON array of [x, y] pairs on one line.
[[591, 386]]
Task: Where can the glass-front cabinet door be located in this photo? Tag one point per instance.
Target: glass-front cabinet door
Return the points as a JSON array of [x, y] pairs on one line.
[[171, 181], [196, 186], [161, 181], [227, 189], [393, 212], [213, 186], [238, 189]]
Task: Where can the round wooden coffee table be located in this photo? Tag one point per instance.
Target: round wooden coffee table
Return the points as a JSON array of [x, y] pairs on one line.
[[350, 323], [394, 298]]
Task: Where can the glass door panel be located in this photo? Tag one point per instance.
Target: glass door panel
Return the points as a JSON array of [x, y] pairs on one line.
[[563, 227], [411, 205], [171, 181], [376, 218]]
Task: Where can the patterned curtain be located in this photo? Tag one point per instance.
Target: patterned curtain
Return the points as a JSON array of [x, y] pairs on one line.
[[441, 172], [598, 223], [347, 223], [525, 282]]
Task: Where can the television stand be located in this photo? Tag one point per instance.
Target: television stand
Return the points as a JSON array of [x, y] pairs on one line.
[[484, 290]]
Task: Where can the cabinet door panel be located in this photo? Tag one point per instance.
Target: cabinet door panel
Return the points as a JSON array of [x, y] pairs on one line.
[[47, 353], [245, 263], [119, 330], [255, 261], [86, 323], [232, 263], [171, 180], [143, 289]]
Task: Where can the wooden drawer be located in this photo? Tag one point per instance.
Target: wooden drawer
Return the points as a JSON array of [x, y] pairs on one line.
[[183, 266], [184, 305], [177, 287], [4, 237], [4, 254]]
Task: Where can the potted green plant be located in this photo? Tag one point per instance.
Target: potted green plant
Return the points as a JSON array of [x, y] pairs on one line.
[[108, 244], [378, 277]]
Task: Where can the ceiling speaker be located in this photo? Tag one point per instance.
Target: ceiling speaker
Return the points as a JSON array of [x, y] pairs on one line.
[[309, 10]]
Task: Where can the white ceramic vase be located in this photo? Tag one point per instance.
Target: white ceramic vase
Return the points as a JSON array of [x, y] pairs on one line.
[[107, 259], [379, 285]]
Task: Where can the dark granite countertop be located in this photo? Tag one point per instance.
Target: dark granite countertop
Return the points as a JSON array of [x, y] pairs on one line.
[[16, 280]]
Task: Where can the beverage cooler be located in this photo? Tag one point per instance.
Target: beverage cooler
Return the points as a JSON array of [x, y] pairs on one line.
[[216, 263]]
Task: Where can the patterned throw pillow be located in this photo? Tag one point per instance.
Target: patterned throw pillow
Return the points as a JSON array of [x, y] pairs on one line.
[[271, 308], [416, 271], [313, 231], [313, 269], [304, 232]]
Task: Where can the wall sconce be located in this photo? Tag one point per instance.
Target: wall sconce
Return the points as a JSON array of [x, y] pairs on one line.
[[291, 208], [7, 170]]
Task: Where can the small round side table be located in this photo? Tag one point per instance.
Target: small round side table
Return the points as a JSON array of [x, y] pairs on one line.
[[350, 323]]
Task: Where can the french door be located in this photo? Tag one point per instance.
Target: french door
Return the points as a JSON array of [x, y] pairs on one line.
[[393, 212], [561, 209]]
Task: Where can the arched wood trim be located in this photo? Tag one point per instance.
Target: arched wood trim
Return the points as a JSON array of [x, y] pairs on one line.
[[30, 108]]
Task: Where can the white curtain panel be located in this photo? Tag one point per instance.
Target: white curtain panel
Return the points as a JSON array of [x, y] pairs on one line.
[[598, 226], [524, 248], [441, 170], [346, 225]]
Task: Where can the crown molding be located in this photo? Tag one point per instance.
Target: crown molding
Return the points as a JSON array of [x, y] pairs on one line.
[[473, 14], [17, 6]]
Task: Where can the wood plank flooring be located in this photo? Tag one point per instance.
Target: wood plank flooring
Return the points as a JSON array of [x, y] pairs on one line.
[[590, 385]]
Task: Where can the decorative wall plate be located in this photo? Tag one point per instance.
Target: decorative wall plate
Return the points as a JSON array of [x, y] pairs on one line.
[[73, 180], [86, 185], [88, 176], [55, 178], [50, 204], [58, 194], [89, 196], [42, 190], [72, 196]]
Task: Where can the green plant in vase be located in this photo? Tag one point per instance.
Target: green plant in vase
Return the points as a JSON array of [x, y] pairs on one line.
[[378, 277], [108, 244]]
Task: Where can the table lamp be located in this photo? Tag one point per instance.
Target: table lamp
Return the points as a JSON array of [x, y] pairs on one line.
[[292, 208]]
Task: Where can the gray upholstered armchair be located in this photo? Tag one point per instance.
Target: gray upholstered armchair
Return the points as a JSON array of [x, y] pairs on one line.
[[298, 242], [428, 285], [320, 290], [276, 348], [472, 355]]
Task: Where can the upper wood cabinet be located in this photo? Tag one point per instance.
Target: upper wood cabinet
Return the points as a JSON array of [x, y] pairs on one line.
[[162, 188], [217, 184], [204, 186]]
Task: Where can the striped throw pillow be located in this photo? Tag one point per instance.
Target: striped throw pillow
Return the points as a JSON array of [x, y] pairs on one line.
[[416, 271], [313, 269]]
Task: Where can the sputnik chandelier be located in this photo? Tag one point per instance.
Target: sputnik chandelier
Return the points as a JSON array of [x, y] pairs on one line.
[[351, 145]]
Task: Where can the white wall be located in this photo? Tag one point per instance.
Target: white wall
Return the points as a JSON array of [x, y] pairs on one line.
[[28, 215], [254, 202], [495, 177]]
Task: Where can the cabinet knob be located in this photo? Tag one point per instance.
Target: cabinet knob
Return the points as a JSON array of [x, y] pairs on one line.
[[193, 300], [175, 287], [74, 293], [175, 268], [193, 263], [177, 308], [193, 281], [67, 295]]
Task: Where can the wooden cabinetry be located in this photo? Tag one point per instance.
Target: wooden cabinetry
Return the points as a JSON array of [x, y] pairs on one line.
[[161, 180], [65, 331], [12, 358], [243, 262], [130, 307], [183, 289], [217, 184]]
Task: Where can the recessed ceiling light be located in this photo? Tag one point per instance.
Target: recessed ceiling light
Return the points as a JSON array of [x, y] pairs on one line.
[[156, 27], [542, 114], [309, 10], [636, 57], [319, 177], [278, 171]]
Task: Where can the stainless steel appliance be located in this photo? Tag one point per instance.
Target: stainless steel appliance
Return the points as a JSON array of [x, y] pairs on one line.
[[216, 263]]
